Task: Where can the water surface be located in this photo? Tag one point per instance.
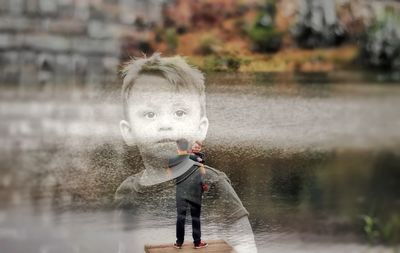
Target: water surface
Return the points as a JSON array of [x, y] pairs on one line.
[[309, 155]]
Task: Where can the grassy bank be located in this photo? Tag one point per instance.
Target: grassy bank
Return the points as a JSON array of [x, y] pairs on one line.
[[288, 60]]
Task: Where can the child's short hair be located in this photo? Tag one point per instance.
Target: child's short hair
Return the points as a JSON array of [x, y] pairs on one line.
[[175, 69], [199, 143]]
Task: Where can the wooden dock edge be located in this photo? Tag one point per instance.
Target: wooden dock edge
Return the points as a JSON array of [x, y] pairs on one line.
[[215, 246]]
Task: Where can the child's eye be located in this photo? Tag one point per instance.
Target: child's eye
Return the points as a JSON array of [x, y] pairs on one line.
[[149, 115], [180, 113]]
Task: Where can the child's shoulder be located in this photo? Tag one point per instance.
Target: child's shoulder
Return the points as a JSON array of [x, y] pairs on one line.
[[215, 174], [130, 184], [213, 171]]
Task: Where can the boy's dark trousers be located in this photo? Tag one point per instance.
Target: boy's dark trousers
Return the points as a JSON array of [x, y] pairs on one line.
[[195, 209]]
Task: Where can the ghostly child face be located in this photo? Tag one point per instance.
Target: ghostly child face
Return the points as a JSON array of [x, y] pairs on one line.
[[158, 115]]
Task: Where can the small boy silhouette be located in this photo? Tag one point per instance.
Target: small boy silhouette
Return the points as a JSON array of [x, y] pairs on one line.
[[196, 154], [163, 101], [189, 190]]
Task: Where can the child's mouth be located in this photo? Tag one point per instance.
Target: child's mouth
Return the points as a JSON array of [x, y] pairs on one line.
[[166, 140]]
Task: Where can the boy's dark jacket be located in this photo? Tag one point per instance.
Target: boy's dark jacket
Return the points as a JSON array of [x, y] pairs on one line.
[[189, 184], [196, 155]]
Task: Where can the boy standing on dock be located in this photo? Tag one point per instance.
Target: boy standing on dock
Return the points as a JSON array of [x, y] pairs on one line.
[[189, 191]]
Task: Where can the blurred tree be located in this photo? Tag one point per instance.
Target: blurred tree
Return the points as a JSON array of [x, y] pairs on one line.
[[263, 33], [380, 46], [317, 24]]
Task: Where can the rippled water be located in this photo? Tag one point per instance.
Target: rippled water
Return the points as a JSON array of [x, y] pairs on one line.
[[308, 156]]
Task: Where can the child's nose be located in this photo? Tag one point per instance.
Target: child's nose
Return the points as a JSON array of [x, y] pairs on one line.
[[165, 124]]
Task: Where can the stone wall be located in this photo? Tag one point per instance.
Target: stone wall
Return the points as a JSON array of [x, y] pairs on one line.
[[68, 41]]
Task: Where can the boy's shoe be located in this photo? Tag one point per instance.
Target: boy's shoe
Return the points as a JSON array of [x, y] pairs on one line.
[[201, 245], [177, 246]]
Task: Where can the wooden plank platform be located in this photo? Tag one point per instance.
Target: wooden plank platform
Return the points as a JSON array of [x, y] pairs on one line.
[[218, 246]]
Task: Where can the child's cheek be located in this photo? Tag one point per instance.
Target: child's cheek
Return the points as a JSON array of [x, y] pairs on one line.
[[145, 130], [188, 123], [187, 128]]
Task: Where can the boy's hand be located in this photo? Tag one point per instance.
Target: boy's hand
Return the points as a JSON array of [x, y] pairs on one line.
[[205, 187], [202, 169]]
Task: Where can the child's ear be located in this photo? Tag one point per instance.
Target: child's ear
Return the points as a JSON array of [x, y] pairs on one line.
[[203, 128], [126, 132]]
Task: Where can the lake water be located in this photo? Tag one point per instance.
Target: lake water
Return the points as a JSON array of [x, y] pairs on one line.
[[312, 158]]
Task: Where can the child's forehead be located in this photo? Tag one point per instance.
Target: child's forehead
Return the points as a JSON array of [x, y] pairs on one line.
[[156, 83], [148, 87], [164, 99]]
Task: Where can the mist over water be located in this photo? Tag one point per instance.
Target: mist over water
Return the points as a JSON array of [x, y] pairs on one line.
[[307, 155]]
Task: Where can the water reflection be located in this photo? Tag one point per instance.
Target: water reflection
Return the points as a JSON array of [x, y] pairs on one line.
[[312, 162]]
